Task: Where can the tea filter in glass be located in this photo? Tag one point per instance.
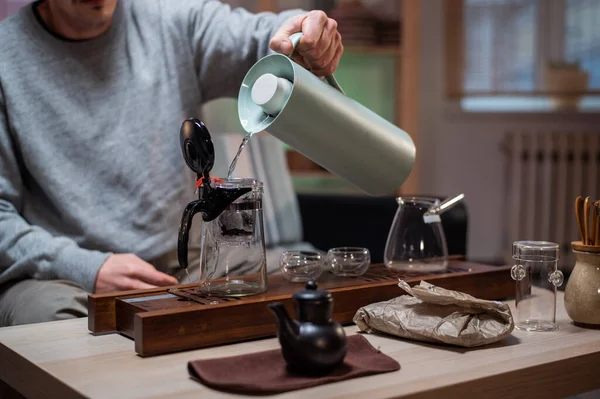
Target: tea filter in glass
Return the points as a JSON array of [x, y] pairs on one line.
[[416, 241], [233, 258], [536, 278]]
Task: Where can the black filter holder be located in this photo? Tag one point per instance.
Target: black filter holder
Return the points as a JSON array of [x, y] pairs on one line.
[[199, 155]]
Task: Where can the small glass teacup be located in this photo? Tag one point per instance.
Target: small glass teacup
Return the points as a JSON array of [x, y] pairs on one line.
[[348, 261], [301, 266]]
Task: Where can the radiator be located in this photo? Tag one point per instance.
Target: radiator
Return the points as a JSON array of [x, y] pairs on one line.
[[545, 172]]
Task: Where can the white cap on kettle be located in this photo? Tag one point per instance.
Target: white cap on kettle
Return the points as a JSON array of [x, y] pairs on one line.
[[270, 93]]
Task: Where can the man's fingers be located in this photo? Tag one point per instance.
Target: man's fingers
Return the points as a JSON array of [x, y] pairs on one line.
[[133, 284], [280, 42], [325, 41], [327, 56], [145, 272], [332, 66], [298, 59], [319, 49], [157, 278], [312, 29]]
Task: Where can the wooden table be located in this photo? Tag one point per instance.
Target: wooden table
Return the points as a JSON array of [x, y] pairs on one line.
[[62, 360]]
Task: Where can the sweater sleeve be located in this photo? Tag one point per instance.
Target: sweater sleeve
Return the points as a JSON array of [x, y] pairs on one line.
[[226, 42], [28, 251]]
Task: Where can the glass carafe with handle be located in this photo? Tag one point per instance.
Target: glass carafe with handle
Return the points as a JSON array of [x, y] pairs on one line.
[[232, 260], [232, 248], [416, 241]]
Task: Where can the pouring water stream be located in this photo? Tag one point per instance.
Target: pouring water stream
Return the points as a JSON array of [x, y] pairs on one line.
[[243, 144]]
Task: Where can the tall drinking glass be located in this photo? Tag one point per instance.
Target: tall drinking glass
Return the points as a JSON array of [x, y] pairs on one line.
[[537, 278]]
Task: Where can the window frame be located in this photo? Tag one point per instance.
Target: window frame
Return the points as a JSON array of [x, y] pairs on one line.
[[550, 45]]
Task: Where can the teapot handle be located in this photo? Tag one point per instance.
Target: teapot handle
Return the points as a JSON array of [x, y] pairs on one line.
[[295, 38]]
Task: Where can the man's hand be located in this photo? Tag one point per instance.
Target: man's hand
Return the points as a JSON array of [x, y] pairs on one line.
[[320, 47], [122, 272]]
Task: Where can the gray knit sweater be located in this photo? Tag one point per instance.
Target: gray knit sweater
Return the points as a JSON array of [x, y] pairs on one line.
[[90, 162]]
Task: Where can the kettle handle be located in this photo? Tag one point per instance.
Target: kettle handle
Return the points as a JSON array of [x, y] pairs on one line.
[[295, 38], [184, 230]]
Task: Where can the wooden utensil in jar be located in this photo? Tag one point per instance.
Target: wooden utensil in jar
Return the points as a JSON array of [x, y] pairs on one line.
[[586, 219], [589, 230], [579, 216], [597, 223]]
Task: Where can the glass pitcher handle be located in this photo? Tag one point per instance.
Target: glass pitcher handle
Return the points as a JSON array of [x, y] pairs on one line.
[[184, 230], [295, 38], [517, 272], [556, 278]]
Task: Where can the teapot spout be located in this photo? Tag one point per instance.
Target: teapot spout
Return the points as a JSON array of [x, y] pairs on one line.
[[287, 329]]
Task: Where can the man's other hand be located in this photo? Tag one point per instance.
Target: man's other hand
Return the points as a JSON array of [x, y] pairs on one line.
[[122, 272], [320, 47]]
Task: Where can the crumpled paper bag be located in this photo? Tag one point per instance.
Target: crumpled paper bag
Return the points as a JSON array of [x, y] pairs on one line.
[[437, 315]]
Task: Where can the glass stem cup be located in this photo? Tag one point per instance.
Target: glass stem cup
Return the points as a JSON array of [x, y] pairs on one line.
[[416, 243]]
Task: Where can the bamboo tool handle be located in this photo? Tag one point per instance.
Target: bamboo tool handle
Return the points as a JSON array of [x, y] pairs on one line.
[[594, 228], [597, 219], [579, 216], [586, 220]]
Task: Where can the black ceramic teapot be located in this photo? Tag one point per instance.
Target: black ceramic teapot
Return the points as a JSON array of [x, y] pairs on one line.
[[314, 344]]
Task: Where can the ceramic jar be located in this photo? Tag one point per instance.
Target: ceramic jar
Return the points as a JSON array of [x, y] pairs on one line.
[[582, 294]]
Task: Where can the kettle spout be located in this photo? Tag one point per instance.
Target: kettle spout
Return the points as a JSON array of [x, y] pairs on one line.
[[287, 329]]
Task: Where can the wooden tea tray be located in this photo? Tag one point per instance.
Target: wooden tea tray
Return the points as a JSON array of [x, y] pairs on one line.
[[160, 322]]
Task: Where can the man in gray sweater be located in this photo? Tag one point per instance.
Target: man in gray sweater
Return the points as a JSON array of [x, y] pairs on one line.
[[92, 95]]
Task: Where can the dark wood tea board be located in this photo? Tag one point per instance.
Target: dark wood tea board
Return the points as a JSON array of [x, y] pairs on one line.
[[161, 322]]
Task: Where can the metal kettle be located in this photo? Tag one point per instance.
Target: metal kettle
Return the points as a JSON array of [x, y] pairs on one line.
[[318, 120]]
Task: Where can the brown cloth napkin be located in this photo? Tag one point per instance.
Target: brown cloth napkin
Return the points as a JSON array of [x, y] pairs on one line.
[[265, 372]]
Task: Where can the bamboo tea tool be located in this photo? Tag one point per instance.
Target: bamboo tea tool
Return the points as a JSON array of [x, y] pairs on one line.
[[170, 319], [587, 213], [579, 216], [596, 217], [586, 220]]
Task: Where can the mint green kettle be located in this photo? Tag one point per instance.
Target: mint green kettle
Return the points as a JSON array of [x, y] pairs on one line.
[[318, 120]]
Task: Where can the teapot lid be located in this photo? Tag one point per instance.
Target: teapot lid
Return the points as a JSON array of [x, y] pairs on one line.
[[197, 146], [311, 294]]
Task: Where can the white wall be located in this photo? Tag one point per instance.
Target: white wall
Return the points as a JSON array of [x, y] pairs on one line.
[[460, 152]]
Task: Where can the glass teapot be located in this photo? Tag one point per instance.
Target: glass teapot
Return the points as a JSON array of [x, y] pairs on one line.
[[416, 241], [232, 247]]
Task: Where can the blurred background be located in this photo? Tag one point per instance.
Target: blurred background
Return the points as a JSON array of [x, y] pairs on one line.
[[502, 98]]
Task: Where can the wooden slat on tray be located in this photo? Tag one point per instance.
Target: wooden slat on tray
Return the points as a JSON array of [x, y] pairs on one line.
[[101, 307], [161, 322]]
